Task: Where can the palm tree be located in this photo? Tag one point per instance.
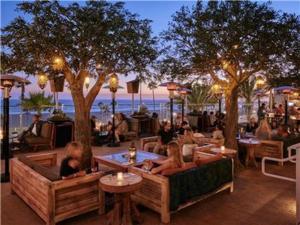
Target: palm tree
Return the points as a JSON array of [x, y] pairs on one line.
[[200, 95], [38, 102], [152, 86]]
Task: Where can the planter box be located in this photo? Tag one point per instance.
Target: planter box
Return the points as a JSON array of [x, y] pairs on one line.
[[57, 84]]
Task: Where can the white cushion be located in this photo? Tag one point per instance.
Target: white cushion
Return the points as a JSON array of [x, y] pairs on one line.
[[187, 149]]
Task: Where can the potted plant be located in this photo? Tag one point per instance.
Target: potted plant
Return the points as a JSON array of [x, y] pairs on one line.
[[38, 102], [57, 83]]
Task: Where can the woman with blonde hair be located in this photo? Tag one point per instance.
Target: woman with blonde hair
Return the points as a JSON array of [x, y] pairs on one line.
[[173, 161], [70, 166], [264, 131]]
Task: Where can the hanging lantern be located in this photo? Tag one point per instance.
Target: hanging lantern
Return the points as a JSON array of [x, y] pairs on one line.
[[260, 82], [217, 90], [58, 63], [113, 83], [87, 82], [42, 80], [225, 64]]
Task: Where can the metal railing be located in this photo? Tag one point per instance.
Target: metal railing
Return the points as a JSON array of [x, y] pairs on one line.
[[290, 158]]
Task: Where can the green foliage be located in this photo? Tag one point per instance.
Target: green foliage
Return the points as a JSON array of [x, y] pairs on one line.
[[250, 37], [199, 96], [38, 102], [86, 35]]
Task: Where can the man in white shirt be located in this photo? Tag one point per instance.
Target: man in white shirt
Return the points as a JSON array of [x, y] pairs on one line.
[[34, 129]]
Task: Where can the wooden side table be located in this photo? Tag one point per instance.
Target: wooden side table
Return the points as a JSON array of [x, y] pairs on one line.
[[250, 145], [122, 189]]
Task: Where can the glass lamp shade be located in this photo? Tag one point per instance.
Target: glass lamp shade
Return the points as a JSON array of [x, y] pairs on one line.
[[87, 82], [216, 89], [7, 83], [42, 80], [58, 63], [260, 82], [113, 83], [171, 86]]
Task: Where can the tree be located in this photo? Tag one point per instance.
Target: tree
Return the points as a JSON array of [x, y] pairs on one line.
[[231, 41], [38, 102], [199, 96], [93, 39]]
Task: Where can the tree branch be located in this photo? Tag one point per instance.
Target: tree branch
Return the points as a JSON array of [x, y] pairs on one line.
[[94, 90]]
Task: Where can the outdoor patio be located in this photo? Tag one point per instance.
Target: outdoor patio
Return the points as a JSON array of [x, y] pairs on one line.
[[256, 200]]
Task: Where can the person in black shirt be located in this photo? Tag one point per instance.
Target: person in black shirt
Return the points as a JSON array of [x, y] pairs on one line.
[[70, 166], [252, 126], [182, 128], [165, 136]]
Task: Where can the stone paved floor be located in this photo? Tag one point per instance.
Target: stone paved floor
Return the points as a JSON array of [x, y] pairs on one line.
[[256, 200]]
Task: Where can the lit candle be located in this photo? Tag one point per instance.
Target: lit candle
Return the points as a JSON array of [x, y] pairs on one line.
[[120, 176], [223, 149], [132, 154]]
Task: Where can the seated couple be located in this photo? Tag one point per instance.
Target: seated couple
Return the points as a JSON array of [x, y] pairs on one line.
[[173, 161], [166, 135]]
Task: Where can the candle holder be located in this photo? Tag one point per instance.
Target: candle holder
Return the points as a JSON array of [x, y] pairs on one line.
[[132, 151]]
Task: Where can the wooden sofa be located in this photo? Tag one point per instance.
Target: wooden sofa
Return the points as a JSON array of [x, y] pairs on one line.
[[157, 191], [275, 148], [45, 139], [57, 200]]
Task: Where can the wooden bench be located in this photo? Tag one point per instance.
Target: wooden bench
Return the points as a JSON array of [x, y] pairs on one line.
[[55, 201], [155, 193], [269, 148]]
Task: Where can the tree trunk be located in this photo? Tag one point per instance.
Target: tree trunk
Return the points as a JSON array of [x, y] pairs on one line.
[[82, 126], [231, 119]]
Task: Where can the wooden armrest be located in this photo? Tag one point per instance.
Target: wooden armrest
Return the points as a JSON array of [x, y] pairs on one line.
[[77, 181], [40, 158]]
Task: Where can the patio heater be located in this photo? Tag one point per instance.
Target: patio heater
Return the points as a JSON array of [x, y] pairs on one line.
[[7, 82], [217, 91], [113, 87], [183, 93], [286, 93], [171, 87]]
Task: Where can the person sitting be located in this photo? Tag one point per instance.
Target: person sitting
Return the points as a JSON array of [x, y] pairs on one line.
[[218, 133], [212, 119], [261, 112], [70, 165], [264, 131], [173, 161], [281, 132], [93, 125], [33, 130], [280, 110], [182, 127], [188, 137], [165, 136], [121, 127], [251, 126]]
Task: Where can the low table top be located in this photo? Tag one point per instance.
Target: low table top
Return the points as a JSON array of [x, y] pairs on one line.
[[122, 160], [249, 141], [130, 182]]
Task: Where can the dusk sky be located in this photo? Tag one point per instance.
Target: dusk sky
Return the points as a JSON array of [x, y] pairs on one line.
[[158, 11]]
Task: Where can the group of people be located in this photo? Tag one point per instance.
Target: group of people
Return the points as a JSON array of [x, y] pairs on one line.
[[71, 164], [183, 134], [121, 127], [264, 131]]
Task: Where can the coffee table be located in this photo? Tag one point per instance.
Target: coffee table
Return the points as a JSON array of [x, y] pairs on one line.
[[121, 161], [250, 145], [122, 189]]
